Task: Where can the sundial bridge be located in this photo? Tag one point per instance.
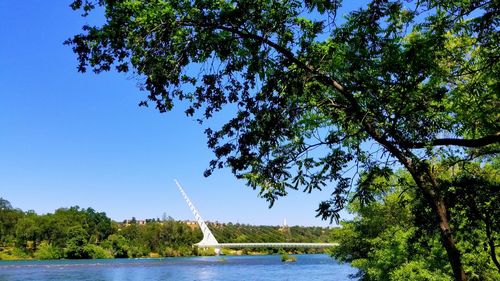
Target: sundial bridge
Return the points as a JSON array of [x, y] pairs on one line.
[[209, 240]]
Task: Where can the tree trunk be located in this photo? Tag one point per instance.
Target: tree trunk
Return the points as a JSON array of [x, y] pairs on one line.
[[491, 242], [447, 240], [426, 182]]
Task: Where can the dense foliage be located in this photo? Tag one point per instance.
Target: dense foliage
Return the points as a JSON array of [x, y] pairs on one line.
[[315, 96], [390, 240], [76, 233]]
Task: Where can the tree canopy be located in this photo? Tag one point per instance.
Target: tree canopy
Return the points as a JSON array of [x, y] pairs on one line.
[[315, 95]]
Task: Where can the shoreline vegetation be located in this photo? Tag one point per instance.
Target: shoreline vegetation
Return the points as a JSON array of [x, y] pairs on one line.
[[78, 233]]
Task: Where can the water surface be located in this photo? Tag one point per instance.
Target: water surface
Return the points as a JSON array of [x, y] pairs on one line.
[[269, 267]]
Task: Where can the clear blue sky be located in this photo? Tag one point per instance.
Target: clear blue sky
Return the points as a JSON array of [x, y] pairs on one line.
[[80, 139]]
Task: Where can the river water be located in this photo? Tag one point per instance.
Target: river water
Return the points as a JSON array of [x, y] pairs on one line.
[[241, 268]]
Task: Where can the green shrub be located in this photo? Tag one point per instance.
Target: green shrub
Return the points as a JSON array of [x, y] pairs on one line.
[[46, 251], [206, 252], [287, 258], [96, 252], [417, 271]]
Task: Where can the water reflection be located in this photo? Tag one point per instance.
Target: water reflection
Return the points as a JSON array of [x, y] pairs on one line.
[[206, 273]]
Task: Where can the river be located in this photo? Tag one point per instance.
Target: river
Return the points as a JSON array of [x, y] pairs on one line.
[[241, 268]]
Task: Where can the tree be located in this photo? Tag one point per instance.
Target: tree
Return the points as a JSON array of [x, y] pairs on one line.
[[8, 220], [473, 197], [389, 239], [5, 204], [313, 94], [28, 232], [118, 245], [77, 240], [99, 225]]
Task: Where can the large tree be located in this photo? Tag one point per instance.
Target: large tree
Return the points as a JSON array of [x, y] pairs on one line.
[[314, 95], [391, 238]]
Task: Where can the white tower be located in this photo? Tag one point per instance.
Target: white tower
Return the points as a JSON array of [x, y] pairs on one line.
[[208, 238]]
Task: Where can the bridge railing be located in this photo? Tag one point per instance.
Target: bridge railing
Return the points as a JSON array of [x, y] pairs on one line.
[[269, 245]]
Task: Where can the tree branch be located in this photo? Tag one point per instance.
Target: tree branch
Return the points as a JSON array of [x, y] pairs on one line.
[[490, 139], [280, 49]]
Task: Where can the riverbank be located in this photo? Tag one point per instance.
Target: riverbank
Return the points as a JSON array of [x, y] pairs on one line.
[[15, 254]]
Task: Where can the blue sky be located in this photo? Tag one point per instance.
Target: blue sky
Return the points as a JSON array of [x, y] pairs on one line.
[[80, 139]]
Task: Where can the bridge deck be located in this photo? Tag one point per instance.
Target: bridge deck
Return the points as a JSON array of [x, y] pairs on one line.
[[269, 245]]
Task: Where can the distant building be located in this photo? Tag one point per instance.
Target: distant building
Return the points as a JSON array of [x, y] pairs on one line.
[[134, 221], [192, 224]]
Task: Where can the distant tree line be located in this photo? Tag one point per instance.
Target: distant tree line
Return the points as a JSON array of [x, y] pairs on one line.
[[78, 233], [243, 233]]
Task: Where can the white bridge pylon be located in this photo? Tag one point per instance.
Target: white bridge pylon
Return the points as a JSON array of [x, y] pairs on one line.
[[209, 240]]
